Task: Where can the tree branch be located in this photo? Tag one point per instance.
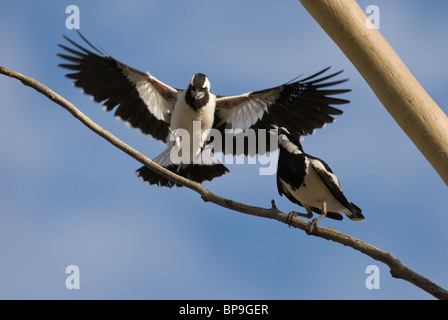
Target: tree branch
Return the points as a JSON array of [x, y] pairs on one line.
[[394, 85], [397, 269]]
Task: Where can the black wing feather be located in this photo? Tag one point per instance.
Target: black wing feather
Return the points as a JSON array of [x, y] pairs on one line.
[[301, 106], [333, 186], [104, 78]]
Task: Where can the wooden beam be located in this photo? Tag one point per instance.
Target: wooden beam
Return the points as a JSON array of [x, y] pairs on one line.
[[394, 85]]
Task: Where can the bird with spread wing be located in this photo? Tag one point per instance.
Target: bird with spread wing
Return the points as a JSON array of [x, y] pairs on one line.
[[158, 110]]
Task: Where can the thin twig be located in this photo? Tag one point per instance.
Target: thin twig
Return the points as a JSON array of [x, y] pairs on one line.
[[397, 269]]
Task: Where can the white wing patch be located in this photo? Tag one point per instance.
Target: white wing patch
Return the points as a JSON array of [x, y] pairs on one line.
[[245, 115], [319, 166], [155, 102]]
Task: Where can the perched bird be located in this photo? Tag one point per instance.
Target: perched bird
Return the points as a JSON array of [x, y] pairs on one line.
[[158, 110], [310, 183]]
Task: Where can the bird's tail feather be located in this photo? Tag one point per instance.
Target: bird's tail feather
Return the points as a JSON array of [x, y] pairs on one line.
[[195, 172], [354, 213], [330, 214], [209, 169]]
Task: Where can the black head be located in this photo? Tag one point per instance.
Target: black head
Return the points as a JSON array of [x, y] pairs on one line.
[[287, 140], [198, 92]]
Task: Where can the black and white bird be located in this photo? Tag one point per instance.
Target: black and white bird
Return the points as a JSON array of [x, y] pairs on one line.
[[157, 109], [309, 182]]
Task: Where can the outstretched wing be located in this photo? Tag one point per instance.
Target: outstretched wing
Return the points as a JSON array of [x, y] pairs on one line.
[[143, 101], [301, 106]]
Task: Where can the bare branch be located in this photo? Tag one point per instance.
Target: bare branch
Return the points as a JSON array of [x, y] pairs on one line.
[[397, 269]]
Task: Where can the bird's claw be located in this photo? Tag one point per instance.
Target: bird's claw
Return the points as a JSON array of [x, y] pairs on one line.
[[311, 226], [291, 215]]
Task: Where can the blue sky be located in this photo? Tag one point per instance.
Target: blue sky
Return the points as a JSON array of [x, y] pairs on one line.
[[67, 197]]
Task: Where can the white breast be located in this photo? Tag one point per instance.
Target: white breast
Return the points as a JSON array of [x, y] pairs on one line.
[[184, 116], [313, 192]]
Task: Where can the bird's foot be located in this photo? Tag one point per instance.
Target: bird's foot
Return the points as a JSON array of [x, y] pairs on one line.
[[311, 226], [294, 214], [291, 215]]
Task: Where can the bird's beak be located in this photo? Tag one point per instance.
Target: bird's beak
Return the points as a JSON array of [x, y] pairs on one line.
[[276, 129], [197, 94]]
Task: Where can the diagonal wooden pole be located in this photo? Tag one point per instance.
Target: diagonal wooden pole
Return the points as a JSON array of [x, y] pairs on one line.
[[394, 85]]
